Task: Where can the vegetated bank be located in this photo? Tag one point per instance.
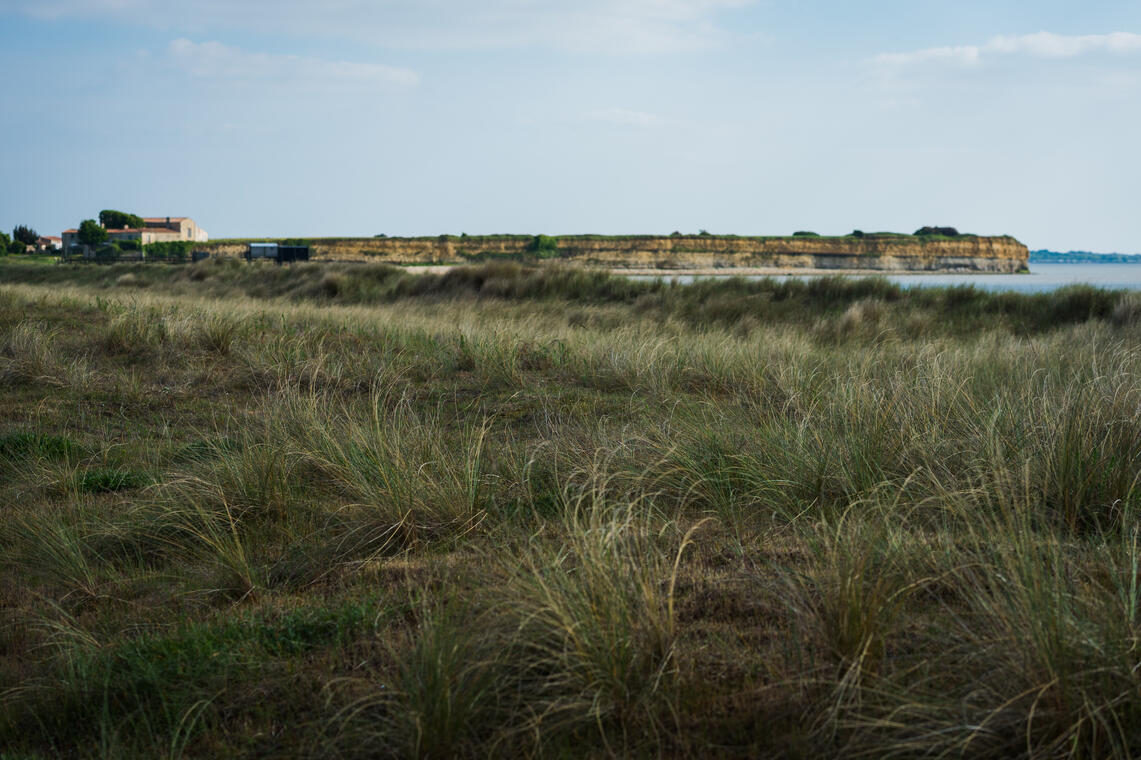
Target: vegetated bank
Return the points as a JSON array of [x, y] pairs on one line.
[[888, 252]]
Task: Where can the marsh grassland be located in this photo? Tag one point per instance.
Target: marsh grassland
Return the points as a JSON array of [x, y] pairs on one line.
[[347, 512]]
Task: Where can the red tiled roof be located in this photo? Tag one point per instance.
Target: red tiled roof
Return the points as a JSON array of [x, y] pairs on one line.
[[68, 231]]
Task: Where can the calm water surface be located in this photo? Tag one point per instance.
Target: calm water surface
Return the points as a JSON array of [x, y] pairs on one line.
[[1042, 277]]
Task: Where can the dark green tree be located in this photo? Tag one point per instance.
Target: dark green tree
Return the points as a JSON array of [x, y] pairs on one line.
[[25, 235], [90, 233], [4, 241], [119, 220]]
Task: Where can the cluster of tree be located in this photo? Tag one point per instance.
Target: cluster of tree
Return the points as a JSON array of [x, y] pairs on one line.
[[22, 236], [94, 233], [120, 220], [944, 231], [25, 234], [91, 233]]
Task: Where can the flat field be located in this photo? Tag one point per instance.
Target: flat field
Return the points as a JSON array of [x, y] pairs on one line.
[[346, 512]]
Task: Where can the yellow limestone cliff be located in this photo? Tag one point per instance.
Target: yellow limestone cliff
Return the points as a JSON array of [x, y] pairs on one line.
[[888, 253]]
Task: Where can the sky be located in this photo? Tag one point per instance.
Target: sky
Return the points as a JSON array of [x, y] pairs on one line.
[[285, 118]]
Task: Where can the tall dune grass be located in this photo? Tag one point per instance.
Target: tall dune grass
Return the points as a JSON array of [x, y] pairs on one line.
[[511, 511]]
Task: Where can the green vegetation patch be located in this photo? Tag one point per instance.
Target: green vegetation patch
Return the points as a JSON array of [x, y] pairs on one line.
[[16, 446], [111, 479], [165, 677]]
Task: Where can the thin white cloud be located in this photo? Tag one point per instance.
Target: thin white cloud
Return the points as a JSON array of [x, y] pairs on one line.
[[1047, 45], [1039, 45], [624, 117], [214, 60], [612, 26]]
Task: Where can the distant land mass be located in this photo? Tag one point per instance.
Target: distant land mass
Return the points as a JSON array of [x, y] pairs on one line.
[[1083, 257], [933, 251]]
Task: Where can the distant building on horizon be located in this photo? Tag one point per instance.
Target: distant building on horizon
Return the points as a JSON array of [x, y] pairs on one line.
[[155, 229]]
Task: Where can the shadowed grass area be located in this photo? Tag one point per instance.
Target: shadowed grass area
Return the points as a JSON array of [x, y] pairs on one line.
[[348, 512]]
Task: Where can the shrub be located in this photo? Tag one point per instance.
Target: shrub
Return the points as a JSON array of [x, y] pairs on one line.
[[805, 233], [943, 231], [544, 245], [174, 249]]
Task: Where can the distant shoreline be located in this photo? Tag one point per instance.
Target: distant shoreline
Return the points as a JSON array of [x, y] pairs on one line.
[[1082, 257]]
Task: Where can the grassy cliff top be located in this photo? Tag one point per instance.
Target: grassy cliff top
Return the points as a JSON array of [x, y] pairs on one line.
[[585, 237]]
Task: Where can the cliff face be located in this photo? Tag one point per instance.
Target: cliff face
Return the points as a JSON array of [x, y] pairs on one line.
[[889, 254]]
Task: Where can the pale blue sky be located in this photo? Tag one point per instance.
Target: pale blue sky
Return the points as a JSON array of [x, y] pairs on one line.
[[357, 117]]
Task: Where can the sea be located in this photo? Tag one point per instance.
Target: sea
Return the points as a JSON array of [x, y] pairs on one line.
[[1042, 278]]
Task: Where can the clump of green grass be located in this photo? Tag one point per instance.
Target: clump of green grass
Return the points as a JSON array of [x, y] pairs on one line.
[[30, 354], [404, 471], [110, 479], [58, 547], [134, 330], [19, 446], [597, 623], [847, 610], [445, 695]]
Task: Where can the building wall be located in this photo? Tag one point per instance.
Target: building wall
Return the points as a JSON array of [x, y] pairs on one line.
[[185, 228], [157, 230]]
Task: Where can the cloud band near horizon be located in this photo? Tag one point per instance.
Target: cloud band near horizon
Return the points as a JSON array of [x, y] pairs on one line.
[[1037, 45]]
